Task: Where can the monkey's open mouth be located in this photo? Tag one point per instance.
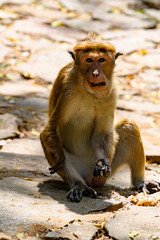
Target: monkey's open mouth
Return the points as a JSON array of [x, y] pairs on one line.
[[97, 84]]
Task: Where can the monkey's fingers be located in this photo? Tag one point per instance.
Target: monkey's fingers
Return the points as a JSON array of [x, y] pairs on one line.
[[90, 192], [75, 194], [78, 191], [52, 171], [102, 168], [150, 187], [56, 168]]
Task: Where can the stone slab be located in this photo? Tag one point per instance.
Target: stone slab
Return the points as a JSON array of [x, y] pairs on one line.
[[23, 146], [73, 232], [141, 107], [8, 125], [144, 220], [23, 87], [34, 27], [30, 196], [45, 64]]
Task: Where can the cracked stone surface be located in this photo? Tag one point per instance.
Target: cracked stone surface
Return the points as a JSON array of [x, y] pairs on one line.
[[8, 125], [145, 220]]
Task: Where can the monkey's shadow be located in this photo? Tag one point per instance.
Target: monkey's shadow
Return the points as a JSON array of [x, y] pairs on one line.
[[57, 190]]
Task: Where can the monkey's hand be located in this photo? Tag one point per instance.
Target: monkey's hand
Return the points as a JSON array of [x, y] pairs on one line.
[[149, 187], [102, 168], [56, 168], [58, 165], [80, 190]]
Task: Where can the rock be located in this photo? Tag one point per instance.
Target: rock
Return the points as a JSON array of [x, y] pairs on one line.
[[4, 52], [23, 87], [8, 125], [73, 232], [142, 107], [86, 6], [145, 60], [131, 44], [153, 13], [151, 140], [15, 2], [4, 236], [142, 121], [147, 35], [151, 78], [111, 205], [119, 181], [24, 146], [127, 22], [25, 162], [45, 64], [34, 27], [47, 14], [124, 68], [144, 220], [37, 44], [29, 195], [33, 103], [87, 25]]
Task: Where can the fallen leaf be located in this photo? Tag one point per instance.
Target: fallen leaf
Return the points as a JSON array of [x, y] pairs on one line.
[[57, 24], [101, 225], [35, 133], [54, 229], [20, 236], [3, 65], [28, 179], [27, 75], [13, 39], [142, 52], [133, 234], [10, 76], [142, 199]]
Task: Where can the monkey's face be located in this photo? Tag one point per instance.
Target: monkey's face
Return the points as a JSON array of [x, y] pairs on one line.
[[96, 68]]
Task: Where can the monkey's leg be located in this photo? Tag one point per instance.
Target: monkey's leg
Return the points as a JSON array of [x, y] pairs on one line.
[[64, 168], [129, 150], [53, 149], [78, 187], [104, 147]]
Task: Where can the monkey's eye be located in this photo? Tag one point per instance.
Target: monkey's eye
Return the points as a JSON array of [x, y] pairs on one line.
[[102, 60], [89, 60]]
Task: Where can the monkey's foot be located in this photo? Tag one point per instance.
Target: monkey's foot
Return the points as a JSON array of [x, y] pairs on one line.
[[102, 168], [149, 187], [78, 191]]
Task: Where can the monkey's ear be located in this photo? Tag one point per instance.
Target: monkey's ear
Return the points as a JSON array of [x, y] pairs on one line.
[[72, 54], [118, 54]]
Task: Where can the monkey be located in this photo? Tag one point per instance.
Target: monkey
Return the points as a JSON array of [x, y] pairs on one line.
[[80, 140]]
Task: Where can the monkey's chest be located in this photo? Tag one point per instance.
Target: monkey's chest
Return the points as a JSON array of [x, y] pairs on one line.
[[76, 132]]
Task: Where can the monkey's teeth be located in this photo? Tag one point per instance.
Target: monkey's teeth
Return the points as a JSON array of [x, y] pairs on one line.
[[97, 84]]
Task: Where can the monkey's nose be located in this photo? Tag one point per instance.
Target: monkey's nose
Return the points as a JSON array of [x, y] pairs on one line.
[[95, 73]]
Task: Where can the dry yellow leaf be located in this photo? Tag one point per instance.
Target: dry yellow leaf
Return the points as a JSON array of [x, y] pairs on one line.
[[100, 225], [35, 133], [133, 234], [20, 236], [57, 24]]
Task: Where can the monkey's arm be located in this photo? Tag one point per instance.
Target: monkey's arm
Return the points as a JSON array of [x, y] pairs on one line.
[[51, 140], [103, 142]]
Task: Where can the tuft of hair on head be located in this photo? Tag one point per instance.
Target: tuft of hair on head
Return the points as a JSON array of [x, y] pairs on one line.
[[91, 37]]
